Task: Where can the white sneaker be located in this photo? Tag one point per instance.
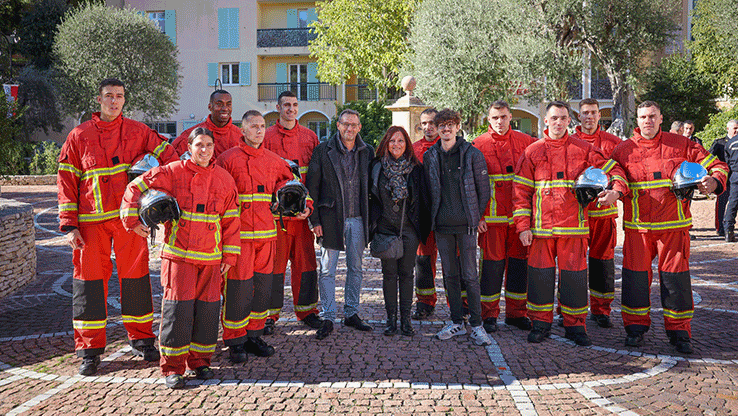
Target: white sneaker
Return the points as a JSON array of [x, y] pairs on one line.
[[451, 330], [479, 336]]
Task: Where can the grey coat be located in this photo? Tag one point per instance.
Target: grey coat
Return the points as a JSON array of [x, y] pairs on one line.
[[324, 184], [475, 189]]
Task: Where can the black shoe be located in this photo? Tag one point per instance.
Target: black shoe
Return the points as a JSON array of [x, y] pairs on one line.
[[422, 311], [730, 236], [580, 338], [537, 334], [391, 328], [356, 322], [603, 321], [148, 352], [89, 365], [258, 347], [237, 354], [721, 233], [490, 325], [521, 323], [269, 326], [204, 373], [326, 327], [684, 345], [313, 321], [175, 381], [634, 340], [406, 326], [560, 320]]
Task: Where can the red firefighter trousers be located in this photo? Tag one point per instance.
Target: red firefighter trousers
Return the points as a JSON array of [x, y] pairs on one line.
[[502, 250], [602, 240]]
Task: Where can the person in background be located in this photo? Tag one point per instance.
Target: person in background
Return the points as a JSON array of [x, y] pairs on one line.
[[718, 149]]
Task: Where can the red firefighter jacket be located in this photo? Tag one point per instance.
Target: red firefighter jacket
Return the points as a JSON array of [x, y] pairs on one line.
[[650, 165], [93, 167], [543, 200], [296, 144], [208, 229], [225, 137], [501, 154], [420, 146], [258, 174], [605, 142]]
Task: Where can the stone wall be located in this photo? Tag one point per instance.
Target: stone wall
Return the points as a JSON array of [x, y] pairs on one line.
[[23, 180], [17, 246]]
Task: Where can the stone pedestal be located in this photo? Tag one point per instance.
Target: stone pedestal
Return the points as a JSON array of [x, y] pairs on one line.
[[406, 111], [17, 246]]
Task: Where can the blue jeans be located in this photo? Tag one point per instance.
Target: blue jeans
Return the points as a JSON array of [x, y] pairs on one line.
[[457, 269], [353, 236]]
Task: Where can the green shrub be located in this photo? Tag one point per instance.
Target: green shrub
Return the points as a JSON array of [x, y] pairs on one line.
[[375, 119], [717, 127], [44, 159]]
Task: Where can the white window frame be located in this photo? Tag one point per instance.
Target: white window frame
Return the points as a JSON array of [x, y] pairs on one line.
[[233, 68]]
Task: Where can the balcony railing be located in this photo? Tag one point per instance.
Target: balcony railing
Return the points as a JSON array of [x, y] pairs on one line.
[[360, 92], [305, 91], [277, 38]]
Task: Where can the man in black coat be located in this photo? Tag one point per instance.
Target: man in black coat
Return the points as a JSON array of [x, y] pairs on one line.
[[718, 149], [338, 182]]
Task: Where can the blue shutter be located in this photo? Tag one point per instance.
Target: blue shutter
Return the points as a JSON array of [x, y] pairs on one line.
[[312, 16], [313, 87], [212, 73], [282, 78], [223, 40], [244, 73], [293, 19], [233, 27], [170, 25]]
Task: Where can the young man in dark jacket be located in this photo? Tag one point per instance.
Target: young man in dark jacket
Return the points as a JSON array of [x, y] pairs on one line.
[[459, 192]]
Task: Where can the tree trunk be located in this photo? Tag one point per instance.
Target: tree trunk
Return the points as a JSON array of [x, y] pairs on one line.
[[622, 99]]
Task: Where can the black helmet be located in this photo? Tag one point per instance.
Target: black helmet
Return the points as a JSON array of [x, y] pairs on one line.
[[141, 165], [295, 168], [290, 199], [157, 207], [589, 184], [686, 179]]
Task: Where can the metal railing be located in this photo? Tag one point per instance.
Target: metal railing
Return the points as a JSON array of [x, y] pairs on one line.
[[305, 91], [276, 38], [360, 92]]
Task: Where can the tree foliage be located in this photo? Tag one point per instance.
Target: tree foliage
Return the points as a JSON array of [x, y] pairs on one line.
[[95, 42], [681, 90], [11, 132], [38, 94], [715, 45], [367, 38], [375, 119], [36, 32], [717, 127]]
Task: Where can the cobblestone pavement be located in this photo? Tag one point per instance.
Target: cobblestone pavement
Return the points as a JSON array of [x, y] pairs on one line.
[[354, 372]]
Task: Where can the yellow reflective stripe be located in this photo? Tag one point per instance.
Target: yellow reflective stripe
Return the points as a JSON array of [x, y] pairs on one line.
[[618, 177], [273, 311], [235, 324], [202, 348], [259, 197], [522, 212], [516, 296], [95, 173], [574, 311], [607, 167], [128, 212], [68, 207], [200, 217], [571, 230], [160, 149], [636, 311], [493, 197], [98, 217], [657, 225], [231, 213], [523, 181], [492, 298], [599, 295], [231, 249], [708, 160], [604, 212], [540, 308], [501, 177], [66, 167], [678, 315], [659, 183], [258, 315], [173, 235], [721, 170], [258, 234], [560, 183], [174, 351], [635, 208], [191, 254], [426, 292], [149, 317], [140, 184], [498, 220], [541, 232], [303, 170], [306, 308], [79, 324], [538, 218]]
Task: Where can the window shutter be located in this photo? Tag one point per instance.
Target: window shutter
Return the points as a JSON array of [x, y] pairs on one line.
[[170, 25], [282, 78], [244, 73], [293, 19], [228, 28], [223, 40], [233, 23], [312, 16], [313, 87], [212, 73]]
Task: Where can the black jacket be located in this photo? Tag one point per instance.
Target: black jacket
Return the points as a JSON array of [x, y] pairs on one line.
[[324, 184], [417, 203], [475, 190]]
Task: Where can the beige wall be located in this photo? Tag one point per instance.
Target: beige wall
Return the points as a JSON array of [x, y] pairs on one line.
[[272, 15]]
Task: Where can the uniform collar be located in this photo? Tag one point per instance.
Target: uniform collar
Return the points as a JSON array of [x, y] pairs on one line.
[[106, 125]]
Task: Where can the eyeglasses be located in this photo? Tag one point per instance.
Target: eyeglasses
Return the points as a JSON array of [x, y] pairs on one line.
[[351, 125], [446, 126]]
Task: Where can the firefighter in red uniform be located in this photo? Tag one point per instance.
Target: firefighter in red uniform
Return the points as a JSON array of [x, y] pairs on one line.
[[247, 293], [225, 133], [656, 223], [294, 142], [501, 248], [92, 178], [602, 230], [201, 246], [425, 261], [552, 222]]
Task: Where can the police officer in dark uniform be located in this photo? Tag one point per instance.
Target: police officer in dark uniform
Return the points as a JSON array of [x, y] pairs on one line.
[[731, 158], [718, 149]]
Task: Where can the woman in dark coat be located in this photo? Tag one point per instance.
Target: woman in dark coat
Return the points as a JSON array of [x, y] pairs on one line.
[[396, 180]]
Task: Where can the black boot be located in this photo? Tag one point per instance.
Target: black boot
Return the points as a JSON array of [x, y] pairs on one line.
[[406, 326], [391, 328], [730, 235]]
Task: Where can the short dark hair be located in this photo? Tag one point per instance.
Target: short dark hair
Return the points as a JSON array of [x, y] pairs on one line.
[[115, 82], [250, 113], [383, 147], [557, 103], [199, 131], [589, 101], [349, 111], [216, 92], [648, 103], [286, 93], [430, 111], [689, 122], [446, 115], [499, 105]]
